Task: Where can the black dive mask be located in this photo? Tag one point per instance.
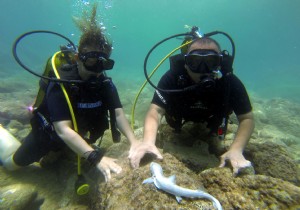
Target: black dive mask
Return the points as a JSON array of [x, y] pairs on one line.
[[203, 61], [207, 63], [96, 61]]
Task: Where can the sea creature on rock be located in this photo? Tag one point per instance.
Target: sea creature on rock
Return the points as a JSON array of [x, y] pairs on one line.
[[168, 184]]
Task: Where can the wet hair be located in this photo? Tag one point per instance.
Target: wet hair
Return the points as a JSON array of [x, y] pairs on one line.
[[92, 34], [206, 41]]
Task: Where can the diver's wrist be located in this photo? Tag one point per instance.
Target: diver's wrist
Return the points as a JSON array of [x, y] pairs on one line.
[[94, 157]]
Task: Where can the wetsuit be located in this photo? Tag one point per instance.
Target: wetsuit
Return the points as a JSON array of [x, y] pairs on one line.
[[90, 103], [200, 104]]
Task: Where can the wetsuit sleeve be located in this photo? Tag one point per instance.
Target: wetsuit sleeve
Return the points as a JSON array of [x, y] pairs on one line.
[[239, 98], [57, 105], [161, 98], [113, 96]]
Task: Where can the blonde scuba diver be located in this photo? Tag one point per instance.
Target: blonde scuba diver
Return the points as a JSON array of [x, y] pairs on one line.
[[92, 96]]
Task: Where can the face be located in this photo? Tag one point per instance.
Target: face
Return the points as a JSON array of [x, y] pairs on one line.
[[211, 50], [93, 62], [84, 73]]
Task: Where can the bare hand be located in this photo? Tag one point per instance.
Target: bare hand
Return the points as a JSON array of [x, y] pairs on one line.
[[137, 152], [107, 165], [236, 159]]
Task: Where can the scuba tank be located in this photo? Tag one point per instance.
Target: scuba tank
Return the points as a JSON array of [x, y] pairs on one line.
[[8, 145]]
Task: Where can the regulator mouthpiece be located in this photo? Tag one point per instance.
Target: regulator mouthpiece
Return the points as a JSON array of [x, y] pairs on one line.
[[196, 32]]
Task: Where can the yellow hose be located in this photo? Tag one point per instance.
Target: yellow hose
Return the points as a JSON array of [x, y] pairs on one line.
[[69, 104], [151, 74]]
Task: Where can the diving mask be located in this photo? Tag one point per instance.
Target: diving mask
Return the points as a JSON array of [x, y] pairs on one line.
[[203, 61], [96, 61]]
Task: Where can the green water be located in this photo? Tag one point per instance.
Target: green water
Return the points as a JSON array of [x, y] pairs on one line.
[[265, 33]]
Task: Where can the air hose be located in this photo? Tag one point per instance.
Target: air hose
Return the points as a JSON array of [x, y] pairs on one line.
[[81, 186], [148, 79]]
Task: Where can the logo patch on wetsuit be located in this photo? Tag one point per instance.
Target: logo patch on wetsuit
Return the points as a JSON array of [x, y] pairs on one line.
[[89, 105], [198, 105], [161, 97]]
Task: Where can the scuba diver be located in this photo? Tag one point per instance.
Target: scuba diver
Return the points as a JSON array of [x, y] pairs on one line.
[[200, 88], [91, 98]]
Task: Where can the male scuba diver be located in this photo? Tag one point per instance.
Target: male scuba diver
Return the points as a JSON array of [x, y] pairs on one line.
[[209, 96], [91, 99]]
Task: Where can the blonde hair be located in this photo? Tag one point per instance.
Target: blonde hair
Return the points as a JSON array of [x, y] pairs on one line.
[[92, 34]]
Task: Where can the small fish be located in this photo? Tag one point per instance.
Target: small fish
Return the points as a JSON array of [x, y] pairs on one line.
[[169, 185]]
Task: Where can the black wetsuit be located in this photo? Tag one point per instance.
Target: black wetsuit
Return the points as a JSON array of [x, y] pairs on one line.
[[90, 103], [200, 104]]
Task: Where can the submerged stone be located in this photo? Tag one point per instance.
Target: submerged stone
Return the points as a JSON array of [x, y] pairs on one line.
[[17, 197]]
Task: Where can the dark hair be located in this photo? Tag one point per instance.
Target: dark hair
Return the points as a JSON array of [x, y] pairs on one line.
[[92, 34], [205, 41]]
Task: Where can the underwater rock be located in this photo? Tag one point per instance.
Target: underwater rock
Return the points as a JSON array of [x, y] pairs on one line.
[[126, 191], [284, 114], [17, 197], [196, 158], [249, 192], [3, 120], [193, 145], [295, 153], [273, 160], [259, 112], [23, 133], [271, 134], [75, 207], [13, 106], [14, 111]]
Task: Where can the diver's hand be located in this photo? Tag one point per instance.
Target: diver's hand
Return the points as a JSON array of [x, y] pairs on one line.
[[236, 159], [138, 150], [106, 165]]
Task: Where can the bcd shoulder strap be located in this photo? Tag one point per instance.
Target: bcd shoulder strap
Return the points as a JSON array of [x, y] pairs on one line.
[[116, 135]]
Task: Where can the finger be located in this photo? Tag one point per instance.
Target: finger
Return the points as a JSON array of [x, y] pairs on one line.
[[113, 159], [156, 152], [235, 171], [116, 169], [136, 162], [133, 164], [248, 164], [158, 155], [131, 153], [107, 175], [104, 174], [222, 162]]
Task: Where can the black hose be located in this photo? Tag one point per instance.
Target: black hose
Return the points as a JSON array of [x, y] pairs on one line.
[[177, 35], [227, 35], [146, 61], [14, 51]]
